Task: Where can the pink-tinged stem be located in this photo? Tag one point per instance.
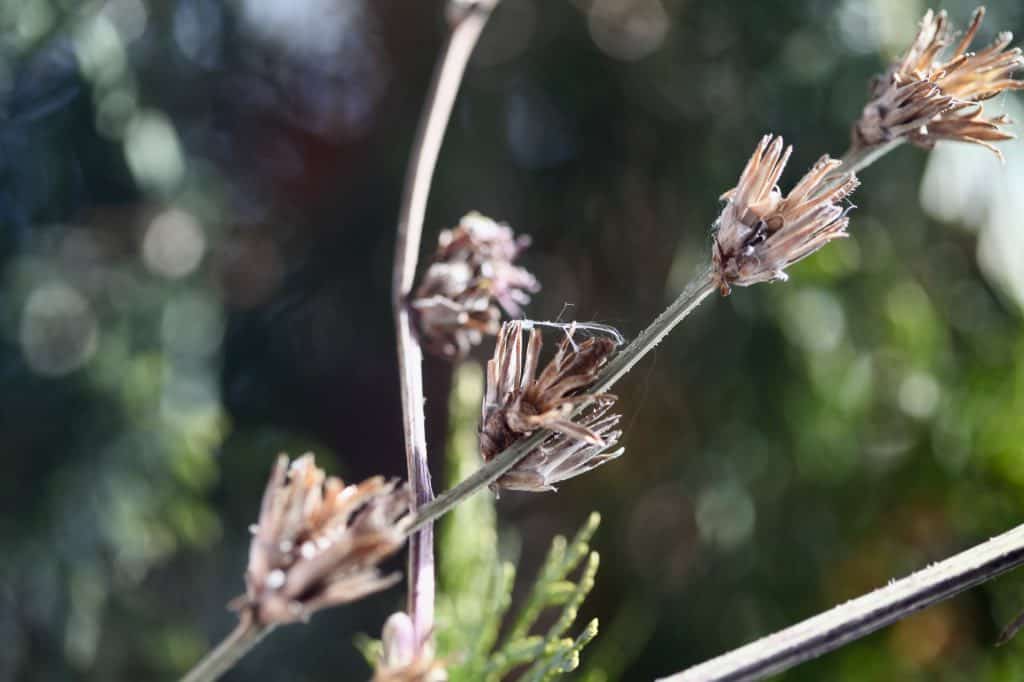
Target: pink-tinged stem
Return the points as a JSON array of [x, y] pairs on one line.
[[467, 22]]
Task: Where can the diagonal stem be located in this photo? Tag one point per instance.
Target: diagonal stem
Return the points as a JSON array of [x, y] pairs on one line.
[[854, 619], [467, 22], [246, 635], [677, 311], [696, 291]]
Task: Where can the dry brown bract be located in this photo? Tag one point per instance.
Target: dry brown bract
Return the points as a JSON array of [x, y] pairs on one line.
[[926, 98], [402, 660], [760, 232], [518, 402], [318, 542], [471, 274]]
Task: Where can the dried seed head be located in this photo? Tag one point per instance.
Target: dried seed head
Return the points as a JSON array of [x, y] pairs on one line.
[[318, 542], [760, 232], [402, 659], [926, 97], [518, 402], [471, 275]]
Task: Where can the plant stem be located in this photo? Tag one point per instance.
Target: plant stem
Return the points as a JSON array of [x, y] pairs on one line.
[[695, 292], [857, 158], [859, 617], [242, 639], [467, 22], [693, 295]]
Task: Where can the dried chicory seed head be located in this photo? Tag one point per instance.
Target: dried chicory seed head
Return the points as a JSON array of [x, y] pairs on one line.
[[471, 276], [402, 658], [318, 542], [760, 232], [518, 402], [926, 96]]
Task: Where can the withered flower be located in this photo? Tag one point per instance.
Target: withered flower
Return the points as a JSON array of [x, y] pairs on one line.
[[518, 402], [760, 232], [926, 97], [471, 275], [318, 542], [402, 658]]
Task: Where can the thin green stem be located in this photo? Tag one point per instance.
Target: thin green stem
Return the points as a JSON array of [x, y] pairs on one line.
[[246, 635]]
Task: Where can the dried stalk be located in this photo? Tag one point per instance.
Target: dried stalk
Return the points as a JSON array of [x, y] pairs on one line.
[[467, 22], [694, 293], [854, 619], [246, 635], [691, 297]]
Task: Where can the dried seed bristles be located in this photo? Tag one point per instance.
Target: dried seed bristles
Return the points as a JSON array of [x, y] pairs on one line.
[[760, 232], [318, 542], [925, 97], [471, 278], [518, 402]]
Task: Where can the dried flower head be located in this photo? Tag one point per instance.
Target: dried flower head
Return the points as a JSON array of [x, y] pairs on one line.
[[518, 402], [471, 275], [926, 97], [760, 232], [318, 542], [402, 658]]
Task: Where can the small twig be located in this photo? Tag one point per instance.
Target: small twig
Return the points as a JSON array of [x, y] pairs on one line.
[[467, 22], [691, 297], [218, 661], [862, 616], [858, 158]]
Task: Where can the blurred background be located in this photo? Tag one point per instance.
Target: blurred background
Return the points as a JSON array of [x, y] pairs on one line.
[[198, 203]]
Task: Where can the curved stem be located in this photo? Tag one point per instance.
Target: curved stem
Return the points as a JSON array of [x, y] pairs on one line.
[[862, 616], [237, 644], [467, 23]]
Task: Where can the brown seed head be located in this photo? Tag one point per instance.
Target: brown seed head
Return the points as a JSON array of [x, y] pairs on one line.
[[928, 96], [402, 659], [471, 275], [760, 232], [318, 541], [518, 402]]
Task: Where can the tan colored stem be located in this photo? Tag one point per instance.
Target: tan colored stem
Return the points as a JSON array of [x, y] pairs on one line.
[[465, 31]]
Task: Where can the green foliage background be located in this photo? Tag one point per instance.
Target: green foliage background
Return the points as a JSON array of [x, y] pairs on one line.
[[197, 202]]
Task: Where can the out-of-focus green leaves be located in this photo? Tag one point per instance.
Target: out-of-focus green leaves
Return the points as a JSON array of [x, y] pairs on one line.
[[476, 585]]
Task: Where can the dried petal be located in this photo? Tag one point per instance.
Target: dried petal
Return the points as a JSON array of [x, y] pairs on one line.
[[318, 542], [760, 232], [924, 97], [518, 402], [472, 274]]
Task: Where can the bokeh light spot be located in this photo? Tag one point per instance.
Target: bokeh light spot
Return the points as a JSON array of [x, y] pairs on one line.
[[628, 29], [153, 152], [725, 515], [813, 318], [173, 244], [192, 325], [59, 331], [919, 395], [129, 18]]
